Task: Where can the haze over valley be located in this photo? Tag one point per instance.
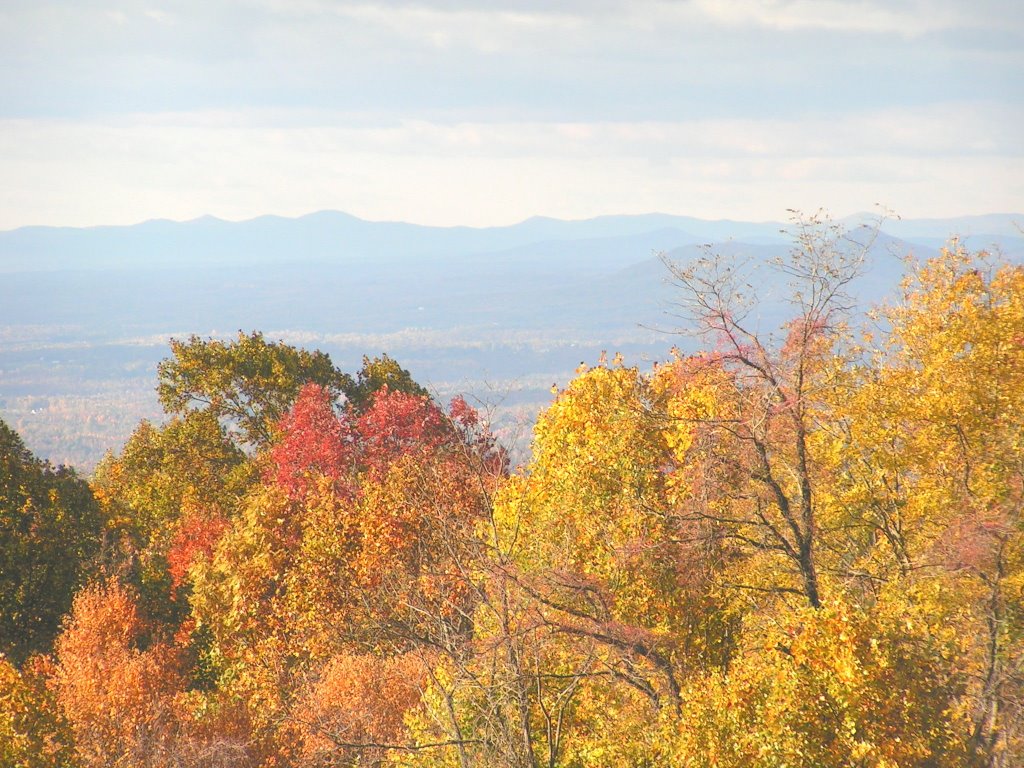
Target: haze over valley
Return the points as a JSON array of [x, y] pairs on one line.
[[499, 313]]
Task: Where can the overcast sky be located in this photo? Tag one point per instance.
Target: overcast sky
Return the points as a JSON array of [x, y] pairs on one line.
[[460, 112]]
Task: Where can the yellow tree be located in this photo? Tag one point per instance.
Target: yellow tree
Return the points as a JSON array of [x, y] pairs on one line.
[[911, 473], [591, 607], [831, 687], [753, 472], [932, 473], [33, 732]]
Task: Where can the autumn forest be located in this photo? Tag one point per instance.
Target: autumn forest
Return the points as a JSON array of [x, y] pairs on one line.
[[801, 547]]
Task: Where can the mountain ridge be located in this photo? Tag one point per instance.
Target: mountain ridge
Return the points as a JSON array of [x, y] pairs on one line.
[[331, 235]]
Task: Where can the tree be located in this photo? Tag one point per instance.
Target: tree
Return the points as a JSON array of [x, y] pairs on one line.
[[852, 687], [889, 480], [50, 531], [353, 713], [782, 550], [349, 556], [314, 442], [755, 476], [250, 382], [377, 373], [117, 697], [931, 474], [593, 606], [186, 475], [33, 732], [188, 461]]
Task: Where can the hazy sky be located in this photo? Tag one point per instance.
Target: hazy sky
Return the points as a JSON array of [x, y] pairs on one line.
[[459, 112]]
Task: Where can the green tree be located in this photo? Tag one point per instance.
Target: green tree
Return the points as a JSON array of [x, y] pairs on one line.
[[250, 382], [377, 373], [50, 531], [188, 462]]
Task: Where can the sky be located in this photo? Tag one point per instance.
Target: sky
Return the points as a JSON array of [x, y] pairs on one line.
[[482, 113]]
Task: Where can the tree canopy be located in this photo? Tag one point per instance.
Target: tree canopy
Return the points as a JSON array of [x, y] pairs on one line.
[[802, 548], [251, 382]]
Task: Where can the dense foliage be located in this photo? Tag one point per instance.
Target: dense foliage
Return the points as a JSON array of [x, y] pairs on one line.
[[50, 529], [794, 550]]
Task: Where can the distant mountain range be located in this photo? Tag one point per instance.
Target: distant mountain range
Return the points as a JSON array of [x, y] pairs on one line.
[[86, 313], [334, 237]]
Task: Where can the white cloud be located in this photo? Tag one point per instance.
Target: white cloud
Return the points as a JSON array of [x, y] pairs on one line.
[[932, 161], [472, 28], [927, 131], [159, 16], [836, 15], [467, 112], [463, 19]]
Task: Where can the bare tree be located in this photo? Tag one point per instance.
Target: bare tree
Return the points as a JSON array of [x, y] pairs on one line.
[[756, 455]]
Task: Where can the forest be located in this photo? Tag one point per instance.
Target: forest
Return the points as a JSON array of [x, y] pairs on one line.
[[801, 547]]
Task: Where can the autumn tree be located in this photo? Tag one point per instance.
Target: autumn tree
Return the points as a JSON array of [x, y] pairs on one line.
[[116, 695], [188, 461], [353, 548], [932, 473], [168, 489], [906, 461], [592, 602], [353, 714], [755, 475], [377, 373], [33, 731], [830, 687], [802, 548]]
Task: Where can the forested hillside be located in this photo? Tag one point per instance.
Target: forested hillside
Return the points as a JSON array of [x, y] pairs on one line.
[[793, 548]]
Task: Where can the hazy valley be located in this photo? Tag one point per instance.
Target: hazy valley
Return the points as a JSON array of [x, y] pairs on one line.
[[499, 313]]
